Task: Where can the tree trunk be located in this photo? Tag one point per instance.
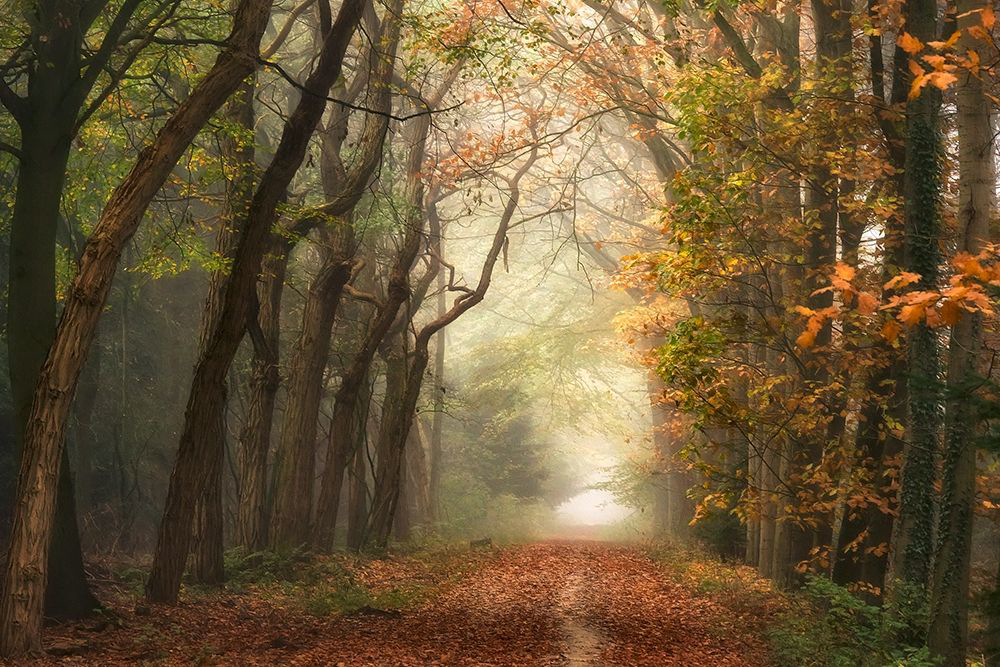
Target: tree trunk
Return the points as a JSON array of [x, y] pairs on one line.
[[867, 530], [255, 436], [209, 567], [31, 295], [437, 420], [877, 446], [991, 652], [67, 594], [397, 422], [948, 635], [402, 380], [661, 448], [921, 202], [419, 473], [397, 291], [31, 319], [357, 513], [755, 471], [237, 155], [83, 436], [810, 537], [59, 83], [204, 419], [26, 572], [343, 188], [305, 392], [403, 521]]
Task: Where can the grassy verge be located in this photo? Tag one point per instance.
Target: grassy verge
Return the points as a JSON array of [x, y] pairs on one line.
[[320, 585], [345, 584]]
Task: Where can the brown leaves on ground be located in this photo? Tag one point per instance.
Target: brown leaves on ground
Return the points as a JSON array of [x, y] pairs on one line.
[[561, 603]]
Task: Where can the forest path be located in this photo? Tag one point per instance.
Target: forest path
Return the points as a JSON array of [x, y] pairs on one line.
[[567, 603], [555, 603]]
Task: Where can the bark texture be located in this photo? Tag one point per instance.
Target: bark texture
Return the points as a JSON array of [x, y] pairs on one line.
[[26, 571], [305, 392], [949, 626], [202, 434]]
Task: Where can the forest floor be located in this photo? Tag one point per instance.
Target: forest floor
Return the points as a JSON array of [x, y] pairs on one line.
[[552, 603]]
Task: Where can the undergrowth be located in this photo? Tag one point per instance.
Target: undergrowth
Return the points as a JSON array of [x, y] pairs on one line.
[[821, 625], [328, 584], [828, 626], [321, 585], [354, 598]]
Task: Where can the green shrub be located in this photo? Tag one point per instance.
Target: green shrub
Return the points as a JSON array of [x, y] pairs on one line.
[[721, 531], [250, 567], [352, 598], [132, 577], [268, 567], [831, 627]]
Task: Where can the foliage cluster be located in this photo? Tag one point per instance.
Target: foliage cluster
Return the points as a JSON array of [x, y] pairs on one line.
[[829, 626]]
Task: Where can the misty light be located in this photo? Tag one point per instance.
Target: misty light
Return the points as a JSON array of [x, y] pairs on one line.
[[594, 507]]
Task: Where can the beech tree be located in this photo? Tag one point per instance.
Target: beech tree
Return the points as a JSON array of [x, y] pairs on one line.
[[42, 447], [51, 85], [203, 421]]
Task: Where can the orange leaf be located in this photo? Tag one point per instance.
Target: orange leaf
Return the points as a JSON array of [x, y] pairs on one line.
[[941, 80], [866, 303], [844, 271], [970, 266], [978, 32], [890, 330], [919, 82], [806, 339], [902, 280], [951, 313], [973, 60], [941, 46], [989, 18], [937, 62], [909, 43], [911, 314]]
